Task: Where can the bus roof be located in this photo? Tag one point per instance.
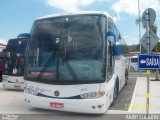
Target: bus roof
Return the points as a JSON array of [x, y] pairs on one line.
[[135, 56], [14, 41], [75, 13]]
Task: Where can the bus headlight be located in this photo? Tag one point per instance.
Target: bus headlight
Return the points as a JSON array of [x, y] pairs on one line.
[[92, 95], [5, 80], [30, 91]]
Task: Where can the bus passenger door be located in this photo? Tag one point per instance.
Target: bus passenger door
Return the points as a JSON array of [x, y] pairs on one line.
[[110, 69]]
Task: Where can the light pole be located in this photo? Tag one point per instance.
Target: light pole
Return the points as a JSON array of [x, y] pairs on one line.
[[139, 13], [140, 46]]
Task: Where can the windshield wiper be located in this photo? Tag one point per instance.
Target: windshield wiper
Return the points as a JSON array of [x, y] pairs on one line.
[[52, 57], [71, 71]]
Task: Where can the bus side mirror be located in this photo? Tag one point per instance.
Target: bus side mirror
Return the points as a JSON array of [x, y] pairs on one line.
[[116, 49], [115, 45], [111, 34]]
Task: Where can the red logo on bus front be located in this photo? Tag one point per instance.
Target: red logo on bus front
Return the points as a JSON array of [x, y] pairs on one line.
[[56, 105]]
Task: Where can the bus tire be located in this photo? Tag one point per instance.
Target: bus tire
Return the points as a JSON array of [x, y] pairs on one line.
[[116, 91], [126, 77]]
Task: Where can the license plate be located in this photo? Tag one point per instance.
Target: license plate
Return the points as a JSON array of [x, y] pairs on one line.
[[56, 105], [17, 86]]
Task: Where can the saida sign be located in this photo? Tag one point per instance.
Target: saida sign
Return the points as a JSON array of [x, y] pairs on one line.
[[148, 61]]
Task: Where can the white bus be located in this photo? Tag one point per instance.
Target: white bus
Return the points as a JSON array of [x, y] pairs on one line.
[[75, 62], [133, 65], [12, 77]]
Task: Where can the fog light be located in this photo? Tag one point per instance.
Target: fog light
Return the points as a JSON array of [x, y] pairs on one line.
[[99, 106], [93, 107]]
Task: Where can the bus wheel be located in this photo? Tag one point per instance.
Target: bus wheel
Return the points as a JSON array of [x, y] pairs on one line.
[[116, 90], [126, 78], [115, 93]]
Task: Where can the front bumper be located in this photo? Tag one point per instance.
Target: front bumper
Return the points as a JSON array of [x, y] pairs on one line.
[[91, 106]]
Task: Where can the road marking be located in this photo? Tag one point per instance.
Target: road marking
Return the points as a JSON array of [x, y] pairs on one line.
[[133, 97], [117, 112], [132, 77], [137, 73]]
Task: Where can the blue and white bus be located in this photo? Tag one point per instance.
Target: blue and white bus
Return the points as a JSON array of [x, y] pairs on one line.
[[15, 63], [75, 62]]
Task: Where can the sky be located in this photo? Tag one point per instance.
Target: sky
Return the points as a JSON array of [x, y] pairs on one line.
[[17, 16]]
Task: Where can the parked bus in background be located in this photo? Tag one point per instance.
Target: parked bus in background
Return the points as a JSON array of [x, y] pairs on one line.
[[2, 66], [75, 62], [24, 35], [2, 63], [15, 63], [133, 65]]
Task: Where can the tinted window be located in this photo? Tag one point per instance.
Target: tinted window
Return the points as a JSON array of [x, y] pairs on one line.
[[70, 48]]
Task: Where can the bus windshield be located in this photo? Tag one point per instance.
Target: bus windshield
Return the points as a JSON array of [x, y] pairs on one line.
[[67, 49], [14, 57]]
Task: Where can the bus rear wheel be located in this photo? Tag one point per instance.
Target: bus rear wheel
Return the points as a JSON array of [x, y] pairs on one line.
[[126, 77]]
